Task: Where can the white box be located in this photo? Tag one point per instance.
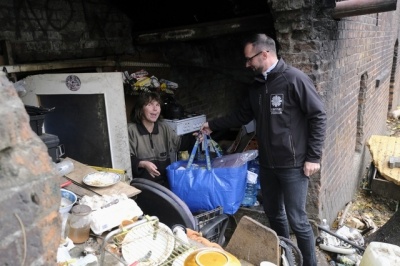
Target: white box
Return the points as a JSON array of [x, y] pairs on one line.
[[186, 125]]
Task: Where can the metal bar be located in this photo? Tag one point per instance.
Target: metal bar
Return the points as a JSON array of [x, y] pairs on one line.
[[205, 30], [342, 238]]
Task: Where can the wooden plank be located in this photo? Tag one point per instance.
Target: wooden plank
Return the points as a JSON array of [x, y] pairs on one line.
[[94, 63], [81, 170], [254, 242]]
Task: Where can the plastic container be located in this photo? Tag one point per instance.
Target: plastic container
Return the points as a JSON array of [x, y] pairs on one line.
[[323, 234], [64, 227], [267, 263], [254, 166], [381, 254], [180, 233], [325, 225], [204, 218], [250, 194], [65, 167]]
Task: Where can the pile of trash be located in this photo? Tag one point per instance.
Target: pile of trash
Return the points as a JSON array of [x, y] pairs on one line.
[[345, 244], [140, 81], [346, 247]]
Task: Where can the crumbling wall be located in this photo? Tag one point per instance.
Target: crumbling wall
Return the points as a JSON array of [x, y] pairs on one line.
[[30, 192]]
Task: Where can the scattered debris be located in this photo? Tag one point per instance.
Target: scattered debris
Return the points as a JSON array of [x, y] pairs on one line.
[[367, 213]]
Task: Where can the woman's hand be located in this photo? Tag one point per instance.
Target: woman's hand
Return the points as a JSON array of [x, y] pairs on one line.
[[150, 167]]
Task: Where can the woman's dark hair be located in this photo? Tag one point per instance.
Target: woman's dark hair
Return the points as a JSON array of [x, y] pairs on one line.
[[142, 100]]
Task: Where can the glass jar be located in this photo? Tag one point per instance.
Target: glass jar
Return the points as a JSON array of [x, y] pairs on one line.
[[79, 224]]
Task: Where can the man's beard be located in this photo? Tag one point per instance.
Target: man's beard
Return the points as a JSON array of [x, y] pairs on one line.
[[258, 70]]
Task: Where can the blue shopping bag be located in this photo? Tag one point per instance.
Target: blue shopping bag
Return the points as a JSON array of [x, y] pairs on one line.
[[205, 188]]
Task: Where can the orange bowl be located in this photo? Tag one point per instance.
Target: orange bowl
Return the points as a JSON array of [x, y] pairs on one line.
[[211, 257], [204, 254]]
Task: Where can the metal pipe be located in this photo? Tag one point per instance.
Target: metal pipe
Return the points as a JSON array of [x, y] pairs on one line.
[[342, 238], [362, 7]]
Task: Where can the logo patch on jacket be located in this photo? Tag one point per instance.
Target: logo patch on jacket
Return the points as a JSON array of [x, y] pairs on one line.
[[277, 103]]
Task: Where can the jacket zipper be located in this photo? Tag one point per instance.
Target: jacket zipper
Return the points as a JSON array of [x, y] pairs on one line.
[[293, 150], [265, 111], [151, 140]]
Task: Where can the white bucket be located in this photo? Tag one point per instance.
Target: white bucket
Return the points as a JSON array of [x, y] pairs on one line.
[[381, 254]]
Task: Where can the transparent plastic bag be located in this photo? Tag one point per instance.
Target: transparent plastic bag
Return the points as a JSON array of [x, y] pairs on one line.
[[235, 159]]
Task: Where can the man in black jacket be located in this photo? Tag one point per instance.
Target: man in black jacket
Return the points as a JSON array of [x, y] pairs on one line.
[[290, 127]]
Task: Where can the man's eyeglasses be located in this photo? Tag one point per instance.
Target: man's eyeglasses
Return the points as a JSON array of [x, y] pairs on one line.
[[250, 58]]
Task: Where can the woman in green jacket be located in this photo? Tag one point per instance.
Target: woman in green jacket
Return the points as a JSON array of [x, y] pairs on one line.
[[153, 144]]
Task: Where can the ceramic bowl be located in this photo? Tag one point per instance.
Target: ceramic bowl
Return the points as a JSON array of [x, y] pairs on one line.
[[211, 257], [68, 199], [215, 256]]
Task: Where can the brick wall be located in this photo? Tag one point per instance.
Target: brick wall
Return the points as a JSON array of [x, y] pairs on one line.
[[58, 30], [337, 55], [364, 47]]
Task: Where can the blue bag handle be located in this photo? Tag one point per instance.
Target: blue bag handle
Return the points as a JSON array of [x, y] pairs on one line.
[[194, 150], [208, 161], [207, 151], [216, 148]]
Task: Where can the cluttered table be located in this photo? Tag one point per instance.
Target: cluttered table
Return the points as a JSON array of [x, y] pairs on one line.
[[105, 245], [149, 242], [81, 189]]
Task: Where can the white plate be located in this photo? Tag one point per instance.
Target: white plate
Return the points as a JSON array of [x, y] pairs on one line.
[[101, 179], [144, 238]]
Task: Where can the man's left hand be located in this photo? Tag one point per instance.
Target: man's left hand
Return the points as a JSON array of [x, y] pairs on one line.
[[311, 168]]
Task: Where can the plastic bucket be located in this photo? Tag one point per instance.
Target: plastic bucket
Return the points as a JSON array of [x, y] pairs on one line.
[[381, 254]]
